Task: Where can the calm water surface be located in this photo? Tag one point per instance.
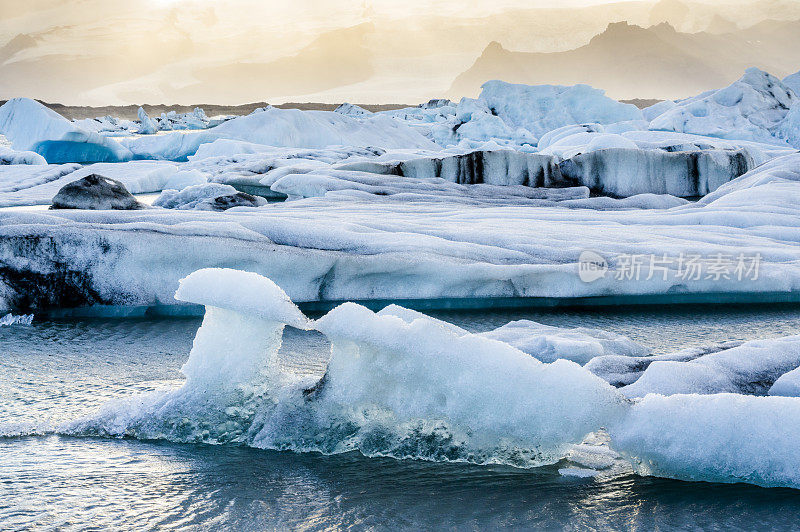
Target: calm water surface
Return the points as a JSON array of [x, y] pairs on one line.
[[57, 371]]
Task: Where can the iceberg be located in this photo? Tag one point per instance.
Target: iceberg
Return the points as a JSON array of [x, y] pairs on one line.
[[9, 156], [748, 109], [542, 108], [469, 244], [207, 197], [750, 368], [623, 172], [713, 438], [146, 124], [30, 126], [392, 388], [400, 384], [285, 128]]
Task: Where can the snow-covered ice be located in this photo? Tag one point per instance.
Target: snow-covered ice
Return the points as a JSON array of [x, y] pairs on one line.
[[207, 197], [748, 109]]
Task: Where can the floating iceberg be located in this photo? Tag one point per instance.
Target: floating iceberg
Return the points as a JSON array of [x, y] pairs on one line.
[[30, 126], [421, 244], [9, 156], [751, 368], [401, 384], [749, 109], [207, 197], [542, 108], [713, 438], [146, 124], [285, 128]]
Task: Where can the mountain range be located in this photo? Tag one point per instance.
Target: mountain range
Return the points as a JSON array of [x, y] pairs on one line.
[[630, 61]]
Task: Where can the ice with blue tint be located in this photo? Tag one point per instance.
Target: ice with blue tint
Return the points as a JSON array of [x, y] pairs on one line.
[[749, 109], [401, 384], [30, 126]]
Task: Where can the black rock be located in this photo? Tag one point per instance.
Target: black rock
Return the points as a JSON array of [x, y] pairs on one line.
[[95, 192]]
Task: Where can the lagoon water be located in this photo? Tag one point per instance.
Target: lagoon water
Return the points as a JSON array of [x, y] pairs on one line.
[[55, 371]]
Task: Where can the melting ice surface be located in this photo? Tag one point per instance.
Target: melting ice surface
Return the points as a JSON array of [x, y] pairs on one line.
[[404, 385], [56, 371]]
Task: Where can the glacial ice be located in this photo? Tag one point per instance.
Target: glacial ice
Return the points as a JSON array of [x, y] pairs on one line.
[[713, 438], [750, 368], [542, 108], [787, 385], [285, 128], [401, 384], [11, 319], [9, 156], [207, 197], [356, 246], [146, 124], [30, 126], [748, 109], [394, 388]]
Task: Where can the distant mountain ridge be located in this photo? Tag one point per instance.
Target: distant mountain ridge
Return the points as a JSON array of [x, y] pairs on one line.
[[630, 61]]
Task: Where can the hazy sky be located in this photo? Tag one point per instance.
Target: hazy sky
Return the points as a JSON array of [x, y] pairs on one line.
[[127, 51]]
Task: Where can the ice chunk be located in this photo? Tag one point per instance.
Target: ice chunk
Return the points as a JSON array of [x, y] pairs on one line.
[[207, 197], [547, 343], [146, 124], [748, 109], [623, 172], [489, 164], [30, 126], [242, 329], [750, 368], [542, 108], [11, 319], [286, 128], [788, 384], [242, 292], [714, 438], [9, 156]]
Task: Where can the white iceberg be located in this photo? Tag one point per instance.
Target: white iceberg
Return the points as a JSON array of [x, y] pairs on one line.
[[9, 156], [748, 109], [285, 128], [30, 126]]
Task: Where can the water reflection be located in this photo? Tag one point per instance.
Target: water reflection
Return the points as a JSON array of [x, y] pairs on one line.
[[70, 483]]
